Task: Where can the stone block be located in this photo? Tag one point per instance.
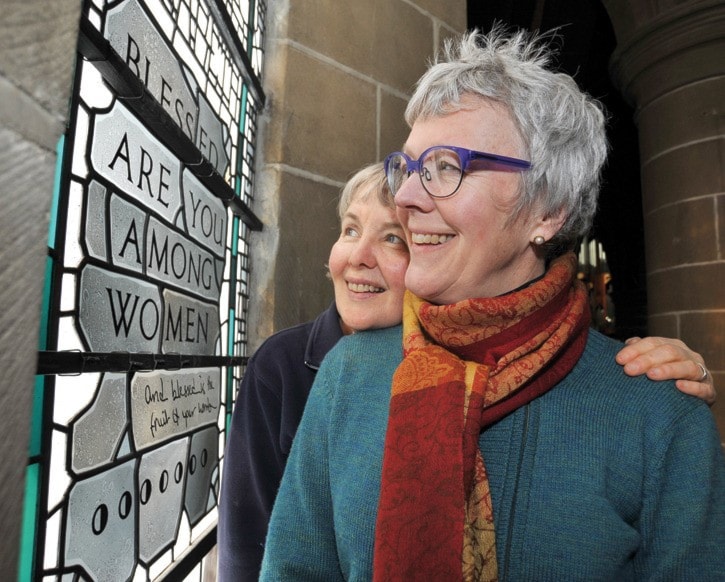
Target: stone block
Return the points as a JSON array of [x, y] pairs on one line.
[[324, 121], [41, 64], [444, 34], [667, 325], [690, 114], [705, 333], [669, 71], [308, 227], [682, 233], [393, 129], [451, 13], [684, 173], [386, 40], [690, 288]]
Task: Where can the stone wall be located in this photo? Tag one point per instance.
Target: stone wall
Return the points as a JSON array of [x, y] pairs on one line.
[[337, 78]]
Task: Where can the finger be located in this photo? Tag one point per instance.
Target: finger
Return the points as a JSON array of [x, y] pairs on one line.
[[636, 346], [677, 370], [633, 347], [683, 361], [701, 390], [637, 360], [688, 376]]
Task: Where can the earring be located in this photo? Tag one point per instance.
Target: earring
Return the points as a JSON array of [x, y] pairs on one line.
[[539, 240]]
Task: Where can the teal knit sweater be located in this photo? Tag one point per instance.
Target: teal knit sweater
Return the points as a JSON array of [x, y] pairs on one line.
[[605, 477]]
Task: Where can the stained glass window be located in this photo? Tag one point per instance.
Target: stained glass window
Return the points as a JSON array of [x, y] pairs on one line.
[[143, 338]]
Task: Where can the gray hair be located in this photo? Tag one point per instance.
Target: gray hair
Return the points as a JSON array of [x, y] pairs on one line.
[[365, 183], [561, 127]]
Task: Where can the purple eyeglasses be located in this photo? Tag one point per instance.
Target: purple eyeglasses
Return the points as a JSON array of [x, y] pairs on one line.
[[441, 168]]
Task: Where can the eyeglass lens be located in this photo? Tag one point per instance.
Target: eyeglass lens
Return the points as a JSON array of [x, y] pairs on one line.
[[439, 172]]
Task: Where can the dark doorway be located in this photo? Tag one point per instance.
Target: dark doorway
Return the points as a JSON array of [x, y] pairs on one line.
[[585, 42]]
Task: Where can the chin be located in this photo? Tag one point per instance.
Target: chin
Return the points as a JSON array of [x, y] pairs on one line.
[[422, 290]]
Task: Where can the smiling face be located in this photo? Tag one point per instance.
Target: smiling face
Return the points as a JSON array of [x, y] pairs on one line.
[[466, 246], [367, 266]]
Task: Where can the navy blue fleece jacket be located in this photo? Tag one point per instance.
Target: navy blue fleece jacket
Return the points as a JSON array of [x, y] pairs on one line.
[[269, 406]]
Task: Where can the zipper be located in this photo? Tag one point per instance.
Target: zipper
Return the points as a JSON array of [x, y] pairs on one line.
[[311, 366], [512, 512]]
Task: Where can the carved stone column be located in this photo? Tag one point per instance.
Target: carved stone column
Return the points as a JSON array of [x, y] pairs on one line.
[[670, 65]]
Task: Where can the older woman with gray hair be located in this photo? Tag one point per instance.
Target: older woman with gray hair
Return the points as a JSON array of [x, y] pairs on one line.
[[491, 436]]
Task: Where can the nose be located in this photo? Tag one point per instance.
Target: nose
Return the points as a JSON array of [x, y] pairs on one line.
[[363, 253], [412, 193]]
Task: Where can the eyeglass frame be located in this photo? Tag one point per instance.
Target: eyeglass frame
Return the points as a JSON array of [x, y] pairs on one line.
[[466, 156]]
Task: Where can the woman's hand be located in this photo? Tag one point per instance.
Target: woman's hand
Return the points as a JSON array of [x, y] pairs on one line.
[[664, 358]]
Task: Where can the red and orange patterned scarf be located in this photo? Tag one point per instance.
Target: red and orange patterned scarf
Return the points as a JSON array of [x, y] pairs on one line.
[[465, 366]]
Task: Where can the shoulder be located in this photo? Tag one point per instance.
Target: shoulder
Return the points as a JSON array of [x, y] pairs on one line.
[[364, 359], [597, 367], [281, 359], [601, 385], [376, 347], [290, 341], [628, 426]]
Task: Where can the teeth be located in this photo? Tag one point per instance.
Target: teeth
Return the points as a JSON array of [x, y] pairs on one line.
[[360, 288], [430, 239]]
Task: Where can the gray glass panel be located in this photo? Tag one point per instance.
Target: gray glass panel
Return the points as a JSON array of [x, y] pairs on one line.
[[125, 448], [212, 137], [190, 326], [125, 153], [127, 234], [96, 221], [97, 433], [119, 313], [133, 35], [101, 524], [205, 214], [200, 487], [161, 477], [172, 258], [169, 404]]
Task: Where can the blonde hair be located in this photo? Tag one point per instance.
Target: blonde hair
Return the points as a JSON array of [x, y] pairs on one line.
[[365, 183]]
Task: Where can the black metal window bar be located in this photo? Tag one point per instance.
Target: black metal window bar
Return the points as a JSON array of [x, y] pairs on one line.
[[143, 339]]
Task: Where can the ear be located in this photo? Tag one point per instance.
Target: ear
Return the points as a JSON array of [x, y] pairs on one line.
[[548, 225]]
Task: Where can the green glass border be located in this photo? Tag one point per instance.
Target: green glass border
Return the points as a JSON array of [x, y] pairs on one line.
[[30, 516]]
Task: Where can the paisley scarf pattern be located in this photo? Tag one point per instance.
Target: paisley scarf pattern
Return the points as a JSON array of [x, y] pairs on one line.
[[465, 366]]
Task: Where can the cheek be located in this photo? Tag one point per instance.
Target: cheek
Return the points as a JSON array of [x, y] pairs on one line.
[[395, 275], [337, 262]]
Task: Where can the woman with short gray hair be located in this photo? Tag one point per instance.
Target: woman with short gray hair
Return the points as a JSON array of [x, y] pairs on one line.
[[501, 442]]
